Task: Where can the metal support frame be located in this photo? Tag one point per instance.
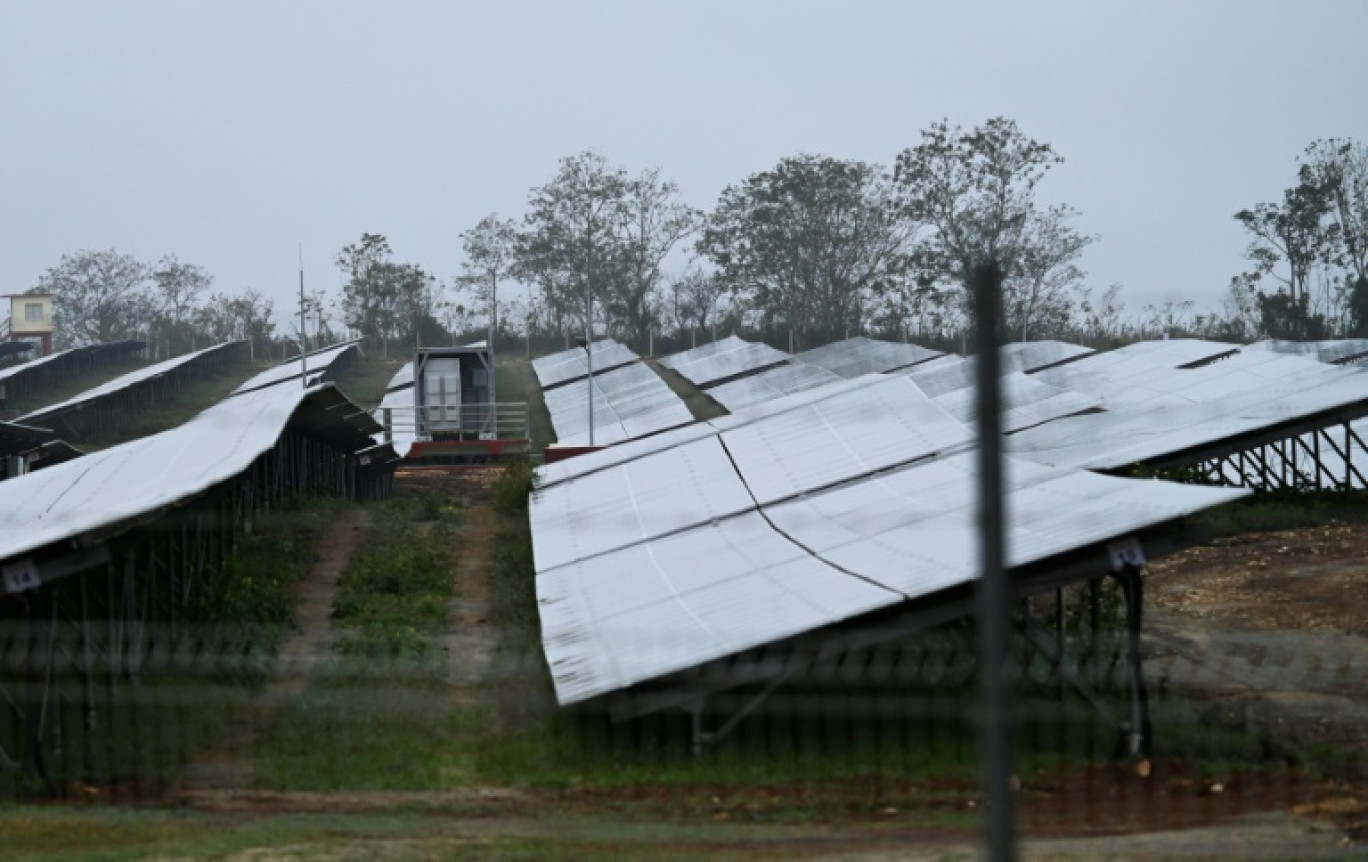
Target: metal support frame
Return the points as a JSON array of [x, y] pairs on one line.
[[103, 615], [1312, 453], [767, 667], [1135, 732], [702, 738]]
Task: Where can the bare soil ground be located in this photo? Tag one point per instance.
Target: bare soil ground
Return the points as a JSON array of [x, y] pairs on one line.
[[1272, 630], [700, 404]]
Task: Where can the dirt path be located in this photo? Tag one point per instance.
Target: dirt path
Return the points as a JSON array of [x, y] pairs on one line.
[[309, 646], [471, 641]]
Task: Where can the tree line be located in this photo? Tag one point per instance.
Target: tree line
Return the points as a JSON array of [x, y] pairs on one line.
[[102, 296], [810, 250]]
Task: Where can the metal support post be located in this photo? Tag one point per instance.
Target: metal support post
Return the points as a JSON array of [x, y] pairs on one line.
[[993, 593], [1138, 732]]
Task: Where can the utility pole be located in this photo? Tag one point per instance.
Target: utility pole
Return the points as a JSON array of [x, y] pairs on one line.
[[303, 325], [493, 330], [589, 350]]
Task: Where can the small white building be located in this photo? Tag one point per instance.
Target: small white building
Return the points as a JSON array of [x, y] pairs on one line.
[[30, 319]]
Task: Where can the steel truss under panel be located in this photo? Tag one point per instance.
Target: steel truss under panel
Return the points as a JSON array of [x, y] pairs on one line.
[[82, 619], [28, 379], [104, 407]]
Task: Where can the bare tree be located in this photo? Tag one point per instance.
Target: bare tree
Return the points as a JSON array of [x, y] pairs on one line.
[[178, 288], [99, 297], [693, 300], [653, 222], [1046, 285], [489, 258]]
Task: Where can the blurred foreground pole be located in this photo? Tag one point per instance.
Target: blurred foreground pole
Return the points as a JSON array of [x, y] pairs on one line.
[[994, 593]]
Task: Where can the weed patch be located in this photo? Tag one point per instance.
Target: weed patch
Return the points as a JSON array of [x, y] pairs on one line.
[[379, 716], [395, 592], [251, 602], [1291, 510]]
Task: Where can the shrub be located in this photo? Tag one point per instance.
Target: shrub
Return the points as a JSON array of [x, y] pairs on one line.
[[510, 491]]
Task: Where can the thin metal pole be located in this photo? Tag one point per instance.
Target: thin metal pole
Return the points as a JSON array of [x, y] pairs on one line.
[[589, 351], [303, 326], [493, 330], [993, 593]]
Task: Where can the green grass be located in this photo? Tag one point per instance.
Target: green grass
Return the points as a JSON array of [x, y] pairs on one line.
[[1272, 511], [112, 833], [156, 723], [254, 596], [365, 377], [368, 724], [393, 596], [518, 383], [379, 715]]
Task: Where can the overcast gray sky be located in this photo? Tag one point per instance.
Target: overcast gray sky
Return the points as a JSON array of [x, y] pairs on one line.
[[228, 132]]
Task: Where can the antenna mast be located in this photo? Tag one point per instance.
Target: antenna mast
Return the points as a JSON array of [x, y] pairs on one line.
[[303, 334]]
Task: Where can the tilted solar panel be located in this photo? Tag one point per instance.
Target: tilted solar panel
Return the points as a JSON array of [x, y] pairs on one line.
[[132, 378], [317, 364], [560, 368], [720, 360], [768, 385], [1030, 355], [854, 357]]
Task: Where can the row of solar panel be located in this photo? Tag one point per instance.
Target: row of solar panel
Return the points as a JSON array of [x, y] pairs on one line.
[[823, 498], [27, 435]]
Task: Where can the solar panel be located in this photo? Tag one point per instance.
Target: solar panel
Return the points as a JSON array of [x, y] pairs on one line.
[[1025, 403], [1117, 374], [646, 584], [559, 368], [629, 401], [25, 367], [860, 355], [768, 385], [1031, 355], [915, 530], [723, 359], [552, 473], [16, 438], [887, 422], [132, 378], [63, 355], [1140, 430], [403, 415], [643, 611], [318, 364], [641, 499], [136, 478]]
